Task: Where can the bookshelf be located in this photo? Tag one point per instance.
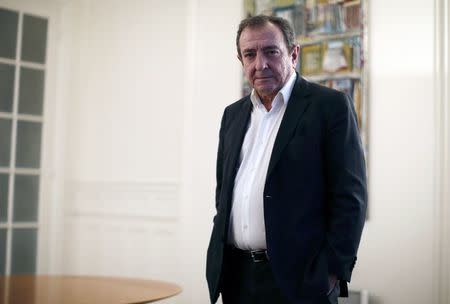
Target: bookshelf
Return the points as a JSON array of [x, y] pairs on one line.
[[332, 35]]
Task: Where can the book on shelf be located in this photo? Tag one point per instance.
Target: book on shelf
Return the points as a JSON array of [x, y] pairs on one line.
[[285, 13], [357, 53], [283, 3], [352, 88], [337, 57], [263, 7], [295, 15], [311, 15], [352, 15], [343, 85], [249, 8], [311, 59], [357, 101], [325, 18], [300, 18]]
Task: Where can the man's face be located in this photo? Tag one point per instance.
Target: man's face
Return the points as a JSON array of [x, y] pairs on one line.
[[266, 60]]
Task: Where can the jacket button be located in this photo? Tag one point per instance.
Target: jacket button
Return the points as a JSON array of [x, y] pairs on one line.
[[268, 196]]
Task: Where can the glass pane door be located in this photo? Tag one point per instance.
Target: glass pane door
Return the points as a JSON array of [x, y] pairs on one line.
[[23, 50]]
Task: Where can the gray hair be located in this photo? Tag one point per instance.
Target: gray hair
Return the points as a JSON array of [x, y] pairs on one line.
[[261, 20]]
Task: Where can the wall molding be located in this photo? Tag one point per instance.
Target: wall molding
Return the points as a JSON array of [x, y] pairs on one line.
[[148, 201], [441, 265], [125, 228]]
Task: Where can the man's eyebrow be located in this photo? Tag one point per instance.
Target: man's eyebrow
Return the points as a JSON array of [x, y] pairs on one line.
[[270, 47], [265, 48], [248, 50]]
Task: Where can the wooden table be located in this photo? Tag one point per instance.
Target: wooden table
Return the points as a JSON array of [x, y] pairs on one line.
[[43, 289]]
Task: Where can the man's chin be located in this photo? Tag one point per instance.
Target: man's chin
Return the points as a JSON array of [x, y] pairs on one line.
[[265, 91]]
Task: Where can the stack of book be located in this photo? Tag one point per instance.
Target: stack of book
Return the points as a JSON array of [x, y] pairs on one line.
[[331, 57]]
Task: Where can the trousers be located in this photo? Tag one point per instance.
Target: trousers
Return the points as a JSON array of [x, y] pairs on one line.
[[245, 281]]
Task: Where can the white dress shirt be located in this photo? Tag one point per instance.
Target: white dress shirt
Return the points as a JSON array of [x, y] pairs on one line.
[[247, 228]]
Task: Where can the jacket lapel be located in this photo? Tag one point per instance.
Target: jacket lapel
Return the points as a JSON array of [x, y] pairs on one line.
[[296, 107], [237, 133], [236, 137]]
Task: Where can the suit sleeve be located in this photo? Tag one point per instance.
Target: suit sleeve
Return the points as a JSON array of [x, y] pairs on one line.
[[219, 162], [346, 187]]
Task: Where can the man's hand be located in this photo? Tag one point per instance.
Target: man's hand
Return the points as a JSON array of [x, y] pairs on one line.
[[332, 279]]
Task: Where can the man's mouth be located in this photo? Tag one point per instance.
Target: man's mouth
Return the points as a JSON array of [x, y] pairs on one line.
[[263, 77]]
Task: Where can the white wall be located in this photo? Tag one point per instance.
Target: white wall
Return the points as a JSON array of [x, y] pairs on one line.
[[395, 261], [140, 154], [126, 114], [124, 137]]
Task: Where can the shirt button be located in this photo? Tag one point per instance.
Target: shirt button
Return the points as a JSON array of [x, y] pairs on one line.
[[245, 226]]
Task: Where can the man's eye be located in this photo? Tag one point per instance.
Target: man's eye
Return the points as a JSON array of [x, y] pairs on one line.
[[249, 55], [272, 52]]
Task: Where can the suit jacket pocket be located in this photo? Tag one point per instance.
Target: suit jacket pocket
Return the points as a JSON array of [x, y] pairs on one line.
[[315, 279]]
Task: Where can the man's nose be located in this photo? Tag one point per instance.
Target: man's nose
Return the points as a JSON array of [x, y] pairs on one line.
[[261, 62]]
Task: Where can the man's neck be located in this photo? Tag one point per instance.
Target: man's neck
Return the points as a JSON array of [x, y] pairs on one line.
[[267, 100]]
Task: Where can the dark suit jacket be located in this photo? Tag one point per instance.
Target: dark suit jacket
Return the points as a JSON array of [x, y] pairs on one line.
[[315, 194]]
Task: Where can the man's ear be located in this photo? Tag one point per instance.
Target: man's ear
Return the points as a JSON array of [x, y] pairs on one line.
[[295, 54]]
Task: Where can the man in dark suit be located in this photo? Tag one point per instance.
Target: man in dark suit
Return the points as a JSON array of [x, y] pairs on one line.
[[291, 182]]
